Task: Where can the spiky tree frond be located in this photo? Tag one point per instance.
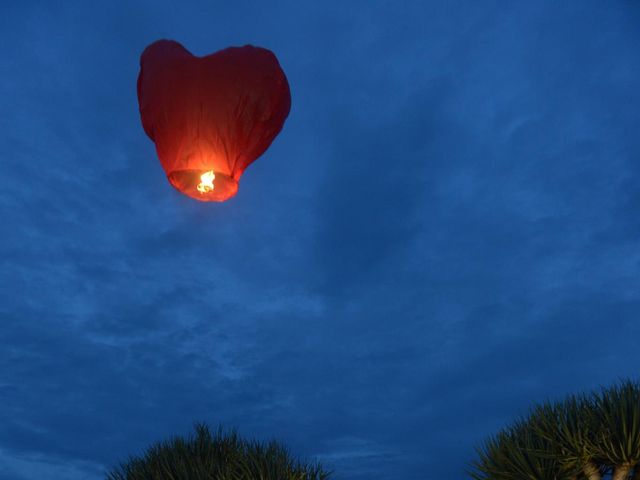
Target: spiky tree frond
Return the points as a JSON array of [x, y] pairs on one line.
[[220, 456], [582, 437], [572, 429], [492, 463], [519, 452], [618, 412], [534, 456]]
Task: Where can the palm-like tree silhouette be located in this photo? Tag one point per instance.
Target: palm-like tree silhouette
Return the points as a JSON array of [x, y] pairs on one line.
[[220, 456], [583, 437], [618, 412]]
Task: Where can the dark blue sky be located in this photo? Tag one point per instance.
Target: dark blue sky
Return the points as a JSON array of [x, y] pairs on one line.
[[445, 231]]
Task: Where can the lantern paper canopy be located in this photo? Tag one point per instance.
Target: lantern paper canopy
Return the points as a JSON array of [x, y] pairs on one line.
[[210, 117]]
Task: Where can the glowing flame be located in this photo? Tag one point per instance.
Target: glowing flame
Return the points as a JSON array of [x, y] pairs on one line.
[[206, 182]]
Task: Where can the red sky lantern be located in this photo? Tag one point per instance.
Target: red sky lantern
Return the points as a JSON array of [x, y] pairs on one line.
[[210, 117]]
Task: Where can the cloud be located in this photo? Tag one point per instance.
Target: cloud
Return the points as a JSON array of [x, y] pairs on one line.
[[443, 234]]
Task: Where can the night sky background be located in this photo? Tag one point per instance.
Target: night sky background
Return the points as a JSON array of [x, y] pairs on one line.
[[444, 233]]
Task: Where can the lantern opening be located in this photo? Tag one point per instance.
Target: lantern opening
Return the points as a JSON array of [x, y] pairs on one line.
[[206, 182], [200, 184]]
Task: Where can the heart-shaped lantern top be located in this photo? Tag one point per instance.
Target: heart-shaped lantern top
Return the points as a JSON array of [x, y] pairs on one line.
[[212, 116]]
